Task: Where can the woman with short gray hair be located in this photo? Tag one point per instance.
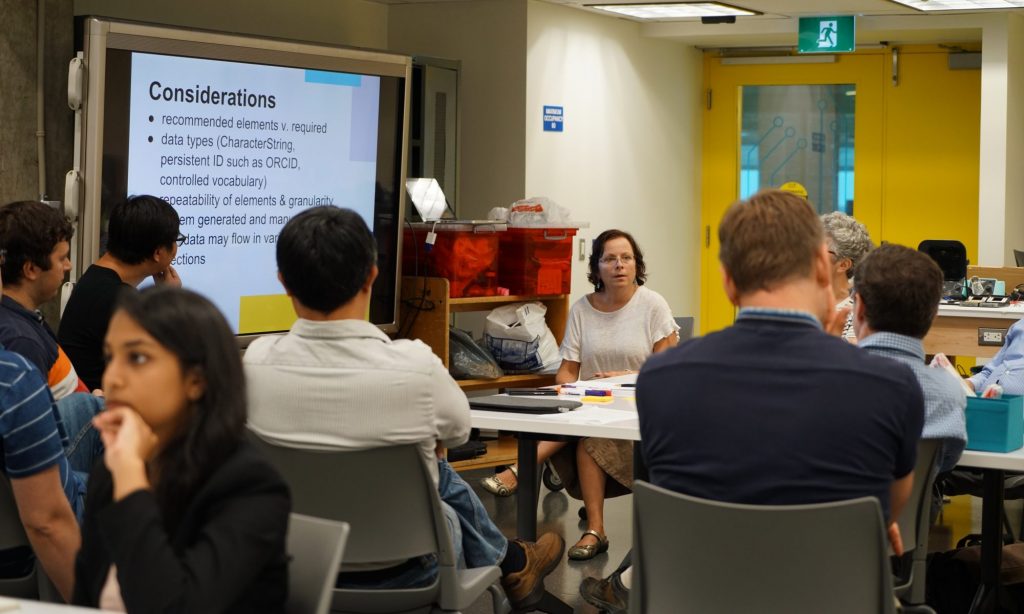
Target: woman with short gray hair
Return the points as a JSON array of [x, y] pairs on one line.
[[848, 243]]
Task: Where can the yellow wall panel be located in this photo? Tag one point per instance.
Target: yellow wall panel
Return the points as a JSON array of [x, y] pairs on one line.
[[932, 123]]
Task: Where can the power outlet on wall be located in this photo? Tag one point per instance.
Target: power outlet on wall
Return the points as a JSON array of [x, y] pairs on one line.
[[991, 336]]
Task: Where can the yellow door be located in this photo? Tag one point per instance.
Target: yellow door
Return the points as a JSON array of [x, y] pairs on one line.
[[916, 143]]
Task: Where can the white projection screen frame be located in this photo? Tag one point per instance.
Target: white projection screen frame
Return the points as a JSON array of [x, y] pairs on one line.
[[330, 71]]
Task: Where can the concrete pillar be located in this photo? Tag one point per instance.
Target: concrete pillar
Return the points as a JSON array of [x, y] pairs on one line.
[[1001, 182]]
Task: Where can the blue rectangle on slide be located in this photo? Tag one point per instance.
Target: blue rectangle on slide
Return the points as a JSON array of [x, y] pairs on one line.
[[333, 78], [553, 119]]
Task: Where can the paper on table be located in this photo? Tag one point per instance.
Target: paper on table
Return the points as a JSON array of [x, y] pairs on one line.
[[9, 605], [591, 415]]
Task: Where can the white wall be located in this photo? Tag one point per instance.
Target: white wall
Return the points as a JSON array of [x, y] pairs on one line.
[[1013, 229], [488, 37], [629, 157], [1001, 185]]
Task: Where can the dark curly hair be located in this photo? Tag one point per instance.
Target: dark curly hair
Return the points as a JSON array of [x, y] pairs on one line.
[[594, 274], [29, 230]]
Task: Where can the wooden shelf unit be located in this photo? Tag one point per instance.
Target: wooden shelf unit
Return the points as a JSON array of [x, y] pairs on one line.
[[501, 451], [426, 311]]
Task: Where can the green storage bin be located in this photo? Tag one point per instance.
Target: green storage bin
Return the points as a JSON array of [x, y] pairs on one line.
[[995, 425]]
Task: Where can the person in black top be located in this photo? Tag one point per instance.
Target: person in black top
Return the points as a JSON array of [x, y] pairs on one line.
[[183, 515], [142, 241]]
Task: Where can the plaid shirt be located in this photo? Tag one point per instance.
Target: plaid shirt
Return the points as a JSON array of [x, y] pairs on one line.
[[944, 397]]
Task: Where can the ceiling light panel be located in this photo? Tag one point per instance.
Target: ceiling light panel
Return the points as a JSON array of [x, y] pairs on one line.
[[665, 11], [961, 5]]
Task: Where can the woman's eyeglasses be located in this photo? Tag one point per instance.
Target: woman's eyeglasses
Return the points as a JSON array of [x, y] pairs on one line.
[[181, 239], [608, 260]]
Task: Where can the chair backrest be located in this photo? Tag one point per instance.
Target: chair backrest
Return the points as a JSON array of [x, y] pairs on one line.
[[386, 495], [695, 555], [1018, 256], [12, 535], [685, 324], [12, 532], [950, 255], [915, 519], [315, 546]]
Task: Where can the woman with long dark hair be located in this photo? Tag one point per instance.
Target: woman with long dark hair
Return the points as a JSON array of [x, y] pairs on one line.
[[182, 515]]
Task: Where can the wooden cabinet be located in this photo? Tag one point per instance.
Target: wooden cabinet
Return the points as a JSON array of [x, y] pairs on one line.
[[426, 310]]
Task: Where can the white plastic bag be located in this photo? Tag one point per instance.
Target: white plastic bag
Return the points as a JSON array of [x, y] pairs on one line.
[[520, 340], [537, 211]]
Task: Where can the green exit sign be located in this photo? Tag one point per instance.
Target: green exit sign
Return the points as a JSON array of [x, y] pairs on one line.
[[827, 34]]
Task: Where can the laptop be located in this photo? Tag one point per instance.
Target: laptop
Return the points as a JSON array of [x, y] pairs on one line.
[[524, 405]]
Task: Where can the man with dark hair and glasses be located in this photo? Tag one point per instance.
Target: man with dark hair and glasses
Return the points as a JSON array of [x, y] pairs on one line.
[[142, 240]]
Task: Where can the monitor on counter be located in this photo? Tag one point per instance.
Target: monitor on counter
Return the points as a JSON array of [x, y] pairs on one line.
[[239, 134]]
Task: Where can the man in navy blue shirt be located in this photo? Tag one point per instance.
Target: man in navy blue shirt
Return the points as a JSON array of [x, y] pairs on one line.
[[774, 410], [48, 493]]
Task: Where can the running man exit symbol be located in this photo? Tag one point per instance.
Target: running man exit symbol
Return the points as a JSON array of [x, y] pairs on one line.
[[826, 34], [832, 34]]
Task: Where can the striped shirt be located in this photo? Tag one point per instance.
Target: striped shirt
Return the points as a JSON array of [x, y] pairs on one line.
[[24, 332], [32, 437]]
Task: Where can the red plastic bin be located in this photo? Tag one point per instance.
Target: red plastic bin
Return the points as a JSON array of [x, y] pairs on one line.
[[465, 254], [536, 260]]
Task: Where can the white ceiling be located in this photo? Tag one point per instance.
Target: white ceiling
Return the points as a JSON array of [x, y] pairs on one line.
[[877, 20]]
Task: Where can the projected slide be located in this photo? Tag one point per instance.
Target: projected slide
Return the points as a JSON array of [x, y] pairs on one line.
[[238, 149]]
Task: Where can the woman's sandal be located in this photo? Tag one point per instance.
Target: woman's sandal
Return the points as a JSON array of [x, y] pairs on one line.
[[495, 486], [585, 553]]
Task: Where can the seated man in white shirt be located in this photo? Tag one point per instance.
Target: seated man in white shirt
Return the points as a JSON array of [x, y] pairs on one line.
[[336, 380]]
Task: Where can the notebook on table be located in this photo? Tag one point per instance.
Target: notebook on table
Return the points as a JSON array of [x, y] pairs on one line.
[[524, 405]]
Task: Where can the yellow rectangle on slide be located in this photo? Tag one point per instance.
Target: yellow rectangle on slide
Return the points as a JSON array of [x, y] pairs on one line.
[[265, 313]]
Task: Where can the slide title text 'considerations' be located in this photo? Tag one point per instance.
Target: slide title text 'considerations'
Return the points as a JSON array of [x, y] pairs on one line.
[[208, 95]]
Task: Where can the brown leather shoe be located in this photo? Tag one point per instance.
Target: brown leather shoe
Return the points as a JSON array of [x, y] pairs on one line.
[[526, 587], [607, 595]]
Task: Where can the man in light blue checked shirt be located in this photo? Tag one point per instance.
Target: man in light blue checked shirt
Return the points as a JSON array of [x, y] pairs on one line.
[[896, 297], [1007, 367]]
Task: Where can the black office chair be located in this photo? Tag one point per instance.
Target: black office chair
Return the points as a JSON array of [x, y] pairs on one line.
[[1018, 255], [951, 256]]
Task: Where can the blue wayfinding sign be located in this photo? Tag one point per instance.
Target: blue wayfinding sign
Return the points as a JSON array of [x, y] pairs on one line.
[[553, 119]]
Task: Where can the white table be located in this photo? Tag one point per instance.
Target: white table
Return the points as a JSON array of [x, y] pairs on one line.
[[590, 420], [27, 606], [616, 419], [994, 465]]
